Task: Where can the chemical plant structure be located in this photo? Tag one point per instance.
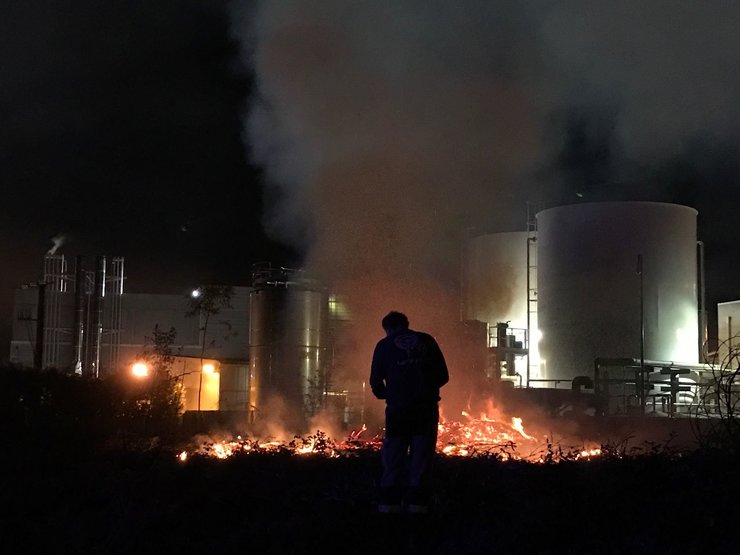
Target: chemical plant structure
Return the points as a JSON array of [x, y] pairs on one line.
[[606, 299], [79, 319], [595, 307]]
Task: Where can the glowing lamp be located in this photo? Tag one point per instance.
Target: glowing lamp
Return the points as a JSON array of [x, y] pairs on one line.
[[140, 370], [209, 369]]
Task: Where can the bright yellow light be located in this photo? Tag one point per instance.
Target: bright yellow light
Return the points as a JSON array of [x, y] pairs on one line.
[[140, 370], [209, 369]]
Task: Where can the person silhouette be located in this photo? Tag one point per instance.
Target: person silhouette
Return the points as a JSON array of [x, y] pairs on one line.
[[408, 369]]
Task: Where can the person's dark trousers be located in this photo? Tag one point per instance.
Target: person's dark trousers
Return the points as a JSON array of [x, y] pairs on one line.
[[407, 460]]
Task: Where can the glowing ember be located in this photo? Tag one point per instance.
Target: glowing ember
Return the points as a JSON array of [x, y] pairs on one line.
[[486, 435], [588, 453]]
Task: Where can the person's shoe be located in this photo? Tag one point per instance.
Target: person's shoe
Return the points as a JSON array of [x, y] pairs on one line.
[[386, 508]]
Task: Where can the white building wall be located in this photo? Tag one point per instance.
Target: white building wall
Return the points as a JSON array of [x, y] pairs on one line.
[[728, 329]]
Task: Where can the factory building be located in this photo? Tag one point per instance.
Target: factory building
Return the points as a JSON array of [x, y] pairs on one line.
[[728, 331], [619, 282], [82, 321], [272, 342]]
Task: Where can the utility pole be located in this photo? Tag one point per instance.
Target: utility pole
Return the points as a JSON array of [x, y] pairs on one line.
[[641, 381]]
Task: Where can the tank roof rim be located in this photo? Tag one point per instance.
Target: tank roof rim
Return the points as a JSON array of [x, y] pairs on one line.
[[619, 203]]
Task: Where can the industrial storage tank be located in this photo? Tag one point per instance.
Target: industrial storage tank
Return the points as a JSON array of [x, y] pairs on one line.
[[287, 329], [495, 279], [597, 263]]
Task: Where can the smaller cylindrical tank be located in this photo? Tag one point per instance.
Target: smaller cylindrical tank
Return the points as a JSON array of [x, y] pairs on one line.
[[287, 328]]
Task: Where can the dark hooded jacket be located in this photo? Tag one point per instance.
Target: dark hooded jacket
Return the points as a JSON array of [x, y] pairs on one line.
[[407, 371]]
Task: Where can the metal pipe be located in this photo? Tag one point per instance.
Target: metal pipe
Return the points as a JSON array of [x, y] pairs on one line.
[[529, 315], [703, 332], [55, 268], [530, 242], [96, 329], [38, 351], [78, 326], [113, 327], [729, 332]]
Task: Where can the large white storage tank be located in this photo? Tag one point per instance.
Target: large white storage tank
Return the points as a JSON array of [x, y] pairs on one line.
[[495, 284], [589, 289]]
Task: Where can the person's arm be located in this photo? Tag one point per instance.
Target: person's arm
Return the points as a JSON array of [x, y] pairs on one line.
[[442, 375], [377, 374]]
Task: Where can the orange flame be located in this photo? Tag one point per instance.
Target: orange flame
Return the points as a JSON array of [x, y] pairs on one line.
[[488, 435]]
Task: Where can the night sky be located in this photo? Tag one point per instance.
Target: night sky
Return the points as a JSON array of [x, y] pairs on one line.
[[122, 131], [175, 132]]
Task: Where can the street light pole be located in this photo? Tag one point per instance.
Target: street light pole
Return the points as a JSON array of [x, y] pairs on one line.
[[641, 393]]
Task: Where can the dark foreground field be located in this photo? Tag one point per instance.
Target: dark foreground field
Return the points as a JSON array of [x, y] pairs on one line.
[[278, 503]]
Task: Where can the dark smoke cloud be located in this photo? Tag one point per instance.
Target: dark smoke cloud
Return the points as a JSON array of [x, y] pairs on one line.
[[388, 128], [670, 68]]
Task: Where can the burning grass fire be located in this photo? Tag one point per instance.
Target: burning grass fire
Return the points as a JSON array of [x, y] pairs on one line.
[[503, 438]]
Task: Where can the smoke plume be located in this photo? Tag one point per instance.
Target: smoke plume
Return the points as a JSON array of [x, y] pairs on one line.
[[388, 128], [57, 241]]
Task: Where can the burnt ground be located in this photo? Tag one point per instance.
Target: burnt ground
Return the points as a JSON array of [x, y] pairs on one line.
[[73, 501]]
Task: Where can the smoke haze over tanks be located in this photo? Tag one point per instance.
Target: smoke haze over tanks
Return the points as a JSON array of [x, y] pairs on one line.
[[386, 128], [404, 122]]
